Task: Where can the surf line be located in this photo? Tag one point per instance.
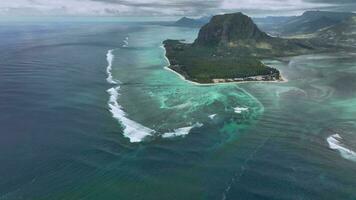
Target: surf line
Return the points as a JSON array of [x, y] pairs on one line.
[[134, 131], [335, 143]]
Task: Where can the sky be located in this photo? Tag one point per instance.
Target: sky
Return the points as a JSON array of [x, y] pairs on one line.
[[167, 7]]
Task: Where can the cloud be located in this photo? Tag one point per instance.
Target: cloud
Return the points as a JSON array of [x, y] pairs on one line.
[[168, 7], [271, 7], [55, 7], [331, 1]]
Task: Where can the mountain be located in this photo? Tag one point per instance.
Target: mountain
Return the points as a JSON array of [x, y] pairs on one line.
[[228, 29], [312, 21], [272, 19], [343, 33], [190, 22], [187, 22], [271, 24], [237, 34], [231, 46]]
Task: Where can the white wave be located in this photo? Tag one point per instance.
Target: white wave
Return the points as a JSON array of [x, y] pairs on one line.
[[110, 60], [334, 143], [165, 57], [212, 116], [240, 109], [132, 130], [181, 131], [126, 42]]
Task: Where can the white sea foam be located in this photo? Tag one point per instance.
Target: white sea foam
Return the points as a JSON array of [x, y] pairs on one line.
[[240, 109], [110, 60], [181, 131], [334, 142], [126, 42], [212, 116], [132, 130]]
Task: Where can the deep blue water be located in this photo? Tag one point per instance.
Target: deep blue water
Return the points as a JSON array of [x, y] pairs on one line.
[[59, 139]]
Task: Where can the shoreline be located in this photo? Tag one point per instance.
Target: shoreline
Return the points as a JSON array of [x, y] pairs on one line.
[[284, 80]]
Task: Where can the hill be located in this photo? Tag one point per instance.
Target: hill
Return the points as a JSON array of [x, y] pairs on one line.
[[238, 35], [190, 22], [307, 23], [228, 29], [343, 33], [312, 21], [229, 48], [272, 24]]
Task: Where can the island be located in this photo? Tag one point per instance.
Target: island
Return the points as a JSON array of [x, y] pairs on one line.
[[191, 22], [230, 48]]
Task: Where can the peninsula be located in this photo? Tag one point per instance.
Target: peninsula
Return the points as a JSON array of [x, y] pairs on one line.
[[229, 49]]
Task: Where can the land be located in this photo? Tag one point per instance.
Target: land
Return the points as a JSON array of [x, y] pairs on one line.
[[191, 22], [194, 64], [231, 47], [309, 22]]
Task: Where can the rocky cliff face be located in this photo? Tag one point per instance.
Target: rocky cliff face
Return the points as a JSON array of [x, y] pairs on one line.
[[229, 29]]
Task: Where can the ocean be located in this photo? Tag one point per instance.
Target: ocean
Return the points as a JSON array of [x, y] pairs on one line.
[[89, 111]]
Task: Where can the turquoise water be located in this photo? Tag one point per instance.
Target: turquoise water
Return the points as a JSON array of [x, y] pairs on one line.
[[88, 111]]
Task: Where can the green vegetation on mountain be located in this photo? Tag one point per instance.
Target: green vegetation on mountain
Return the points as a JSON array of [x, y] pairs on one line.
[[343, 33], [231, 47], [307, 23], [203, 64], [272, 24], [312, 21]]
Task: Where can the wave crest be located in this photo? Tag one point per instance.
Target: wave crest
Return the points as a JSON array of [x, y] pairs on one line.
[[132, 130], [110, 60], [334, 142], [135, 131], [181, 131]]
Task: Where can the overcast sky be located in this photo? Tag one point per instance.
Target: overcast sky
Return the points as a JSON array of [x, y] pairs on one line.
[[168, 7]]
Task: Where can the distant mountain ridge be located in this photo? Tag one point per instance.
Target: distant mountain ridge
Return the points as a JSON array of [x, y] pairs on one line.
[[270, 24], [312, 21], [307, 23], [343, 33], [191, 22]]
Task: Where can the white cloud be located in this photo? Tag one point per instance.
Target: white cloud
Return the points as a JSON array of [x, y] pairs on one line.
[[270, 4], [271, 7], [152, 7], [62, 7]]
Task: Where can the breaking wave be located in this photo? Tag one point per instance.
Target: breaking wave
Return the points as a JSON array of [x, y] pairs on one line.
[[212, 116], [334, 142], [135, 131], [126, 42], [240, 109], [110, 60], [132, 130], [181, 131]]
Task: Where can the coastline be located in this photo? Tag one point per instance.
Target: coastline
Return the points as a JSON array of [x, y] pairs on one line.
[[283, 79]]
